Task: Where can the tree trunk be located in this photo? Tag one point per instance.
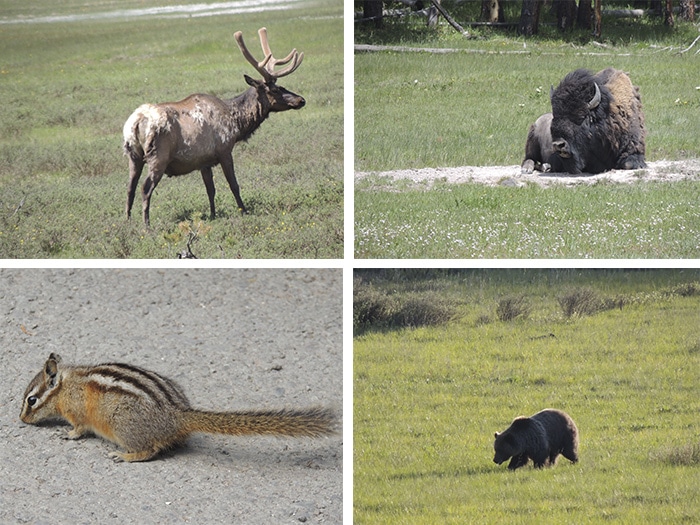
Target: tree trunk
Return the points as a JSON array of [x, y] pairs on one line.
[[530, 17], [433, 15], [372, 10], [566, 13], [492, 11], [687, 10], [668, 13], [585, 12], [597, 19]]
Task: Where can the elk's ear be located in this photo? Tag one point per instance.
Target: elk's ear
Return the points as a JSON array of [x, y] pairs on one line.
[[252, 81]]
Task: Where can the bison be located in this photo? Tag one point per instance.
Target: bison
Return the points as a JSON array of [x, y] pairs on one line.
[[596, 124]]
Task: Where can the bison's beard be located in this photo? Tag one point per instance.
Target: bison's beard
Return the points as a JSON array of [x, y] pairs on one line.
[[570, 165], [569, 161], [593, 156]]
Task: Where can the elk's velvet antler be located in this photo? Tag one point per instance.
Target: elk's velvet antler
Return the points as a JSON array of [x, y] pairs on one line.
[[266, 67]]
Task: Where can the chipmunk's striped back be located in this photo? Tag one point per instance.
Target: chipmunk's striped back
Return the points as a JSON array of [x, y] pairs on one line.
[[134, 381]]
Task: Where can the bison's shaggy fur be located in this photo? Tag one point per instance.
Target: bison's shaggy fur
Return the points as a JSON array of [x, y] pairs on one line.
[[541, 437], [597, 122]]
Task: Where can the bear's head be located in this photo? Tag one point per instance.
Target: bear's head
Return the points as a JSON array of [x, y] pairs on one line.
[[507, 443], [505, 447]]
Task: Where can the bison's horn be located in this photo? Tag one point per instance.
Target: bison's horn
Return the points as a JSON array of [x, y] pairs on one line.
[[596, 98]]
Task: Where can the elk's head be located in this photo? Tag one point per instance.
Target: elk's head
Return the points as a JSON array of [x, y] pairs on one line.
[[280, 99]]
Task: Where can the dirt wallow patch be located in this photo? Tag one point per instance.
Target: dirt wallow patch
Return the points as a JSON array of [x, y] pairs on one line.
[[658, 171]]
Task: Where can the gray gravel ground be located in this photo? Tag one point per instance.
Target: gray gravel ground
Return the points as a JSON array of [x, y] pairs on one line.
[[658, 171], [233, 339]]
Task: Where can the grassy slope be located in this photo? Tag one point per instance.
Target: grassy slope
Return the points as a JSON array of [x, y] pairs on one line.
[[474, 109], [474, 221], [69, 88], [416, 109], [428, 400]]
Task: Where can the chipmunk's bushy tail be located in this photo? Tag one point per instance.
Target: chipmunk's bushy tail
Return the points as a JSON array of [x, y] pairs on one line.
[[312, 422]]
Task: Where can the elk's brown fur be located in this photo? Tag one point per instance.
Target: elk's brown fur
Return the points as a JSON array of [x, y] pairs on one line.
[[200, 131]]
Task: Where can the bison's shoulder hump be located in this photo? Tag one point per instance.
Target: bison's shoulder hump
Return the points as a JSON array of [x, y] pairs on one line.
[[574, 90], [578, 76]]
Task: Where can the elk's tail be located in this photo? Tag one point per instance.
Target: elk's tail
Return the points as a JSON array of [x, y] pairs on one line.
[[141, 128]]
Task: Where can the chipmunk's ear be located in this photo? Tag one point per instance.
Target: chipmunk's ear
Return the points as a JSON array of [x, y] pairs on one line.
[[51, 368]]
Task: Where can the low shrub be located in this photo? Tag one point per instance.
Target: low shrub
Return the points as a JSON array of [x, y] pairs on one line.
[[582, 301], [679, 455], [369, 305], [510, 308], [373, 308], [687, 289]]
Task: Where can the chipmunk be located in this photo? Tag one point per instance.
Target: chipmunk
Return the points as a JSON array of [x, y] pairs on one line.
[[145, 413]]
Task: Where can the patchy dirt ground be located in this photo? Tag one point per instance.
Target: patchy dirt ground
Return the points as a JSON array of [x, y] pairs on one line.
[[662, 170]]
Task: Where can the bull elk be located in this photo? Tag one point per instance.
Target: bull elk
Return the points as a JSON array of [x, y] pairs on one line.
[[200, 131]]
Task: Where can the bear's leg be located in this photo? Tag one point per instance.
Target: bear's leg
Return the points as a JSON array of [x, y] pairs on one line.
[[570, 454], [541, 460], [517, 461]]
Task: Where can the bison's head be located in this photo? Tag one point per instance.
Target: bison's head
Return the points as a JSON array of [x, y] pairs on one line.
[[578, 106]]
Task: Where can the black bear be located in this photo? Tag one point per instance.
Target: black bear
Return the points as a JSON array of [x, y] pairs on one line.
[[540, 437]]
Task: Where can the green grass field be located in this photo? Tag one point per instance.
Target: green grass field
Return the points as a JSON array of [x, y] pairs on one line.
[[473, 221], [474, 107], [428, 399], [70, 86]]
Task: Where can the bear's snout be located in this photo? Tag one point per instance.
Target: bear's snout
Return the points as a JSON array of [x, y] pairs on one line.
[[498, 459]]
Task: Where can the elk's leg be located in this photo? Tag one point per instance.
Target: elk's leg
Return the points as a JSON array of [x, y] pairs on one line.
[[227, 167], [208, 178], [135, 169], [154, 176]]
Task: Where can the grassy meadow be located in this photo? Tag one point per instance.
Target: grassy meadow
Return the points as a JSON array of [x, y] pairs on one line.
[[474, 107], [70, 86], [470, 221], [618, 350]]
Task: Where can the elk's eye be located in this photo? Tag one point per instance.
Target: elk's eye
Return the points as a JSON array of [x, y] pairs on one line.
[[31, 400]]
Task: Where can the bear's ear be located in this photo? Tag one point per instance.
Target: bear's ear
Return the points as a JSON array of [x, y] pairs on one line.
[[496, 434]]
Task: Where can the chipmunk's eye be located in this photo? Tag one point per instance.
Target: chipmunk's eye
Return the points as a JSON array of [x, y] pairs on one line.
[[31, 400]]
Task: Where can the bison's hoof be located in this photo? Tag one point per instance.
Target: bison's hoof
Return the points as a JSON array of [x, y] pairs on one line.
[[527, 167], [634, 163]]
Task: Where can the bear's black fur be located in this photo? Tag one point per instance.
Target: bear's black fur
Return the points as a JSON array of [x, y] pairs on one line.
[[541, 437]]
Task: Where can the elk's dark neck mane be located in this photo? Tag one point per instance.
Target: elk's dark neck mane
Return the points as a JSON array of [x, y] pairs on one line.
[[249, 111]]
